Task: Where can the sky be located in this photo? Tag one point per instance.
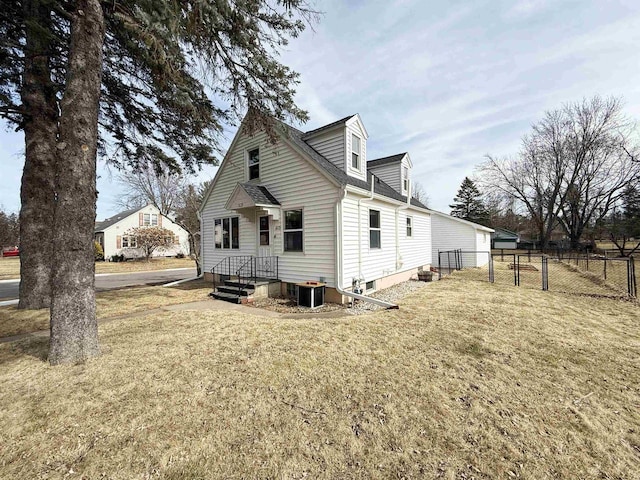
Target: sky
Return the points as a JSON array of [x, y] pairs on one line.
[[446, 81]]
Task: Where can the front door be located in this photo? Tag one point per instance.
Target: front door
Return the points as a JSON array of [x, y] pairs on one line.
[[265, 249]]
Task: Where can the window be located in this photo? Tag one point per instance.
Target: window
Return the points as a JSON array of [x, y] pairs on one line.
[[405, 178], [264, 230], [293, 231], [374, 229], [291, 290], [355, 152], [129, 241], [254, 164], [409, 226], [226, 232], [150, 219], [235, 232], [370, 285], [217, 232]]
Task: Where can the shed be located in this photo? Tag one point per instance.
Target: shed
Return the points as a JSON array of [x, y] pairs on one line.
[[452, 233]]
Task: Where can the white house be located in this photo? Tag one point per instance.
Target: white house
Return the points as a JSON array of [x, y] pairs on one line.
[[112, 233], [309, 206]]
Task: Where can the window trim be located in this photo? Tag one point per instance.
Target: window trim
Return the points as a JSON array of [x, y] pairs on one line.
[[261, 231], [405, 178], [249, 164], [285, 230], [231, 236], [358, 154], [409, 225], [375, 229], [130, 240]]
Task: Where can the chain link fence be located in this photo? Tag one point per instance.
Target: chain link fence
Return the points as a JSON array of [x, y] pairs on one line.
[[579, 274]]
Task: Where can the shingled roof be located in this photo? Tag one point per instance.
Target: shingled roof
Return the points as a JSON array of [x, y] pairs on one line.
[[380, 187], [259, 194], [103, 225], [386, 160], [328, 126]]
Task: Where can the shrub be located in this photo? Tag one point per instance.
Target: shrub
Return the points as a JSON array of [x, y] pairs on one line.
[[118, 258], [98, 252]]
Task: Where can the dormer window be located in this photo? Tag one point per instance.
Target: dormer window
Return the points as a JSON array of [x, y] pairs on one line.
[[254, 163], [405, 179], [355, 152]]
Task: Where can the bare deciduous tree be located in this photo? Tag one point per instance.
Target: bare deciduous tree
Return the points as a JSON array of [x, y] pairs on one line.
[[419, 193], [571, 169]]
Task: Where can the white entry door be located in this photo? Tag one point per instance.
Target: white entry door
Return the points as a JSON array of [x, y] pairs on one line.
[[265, 237]]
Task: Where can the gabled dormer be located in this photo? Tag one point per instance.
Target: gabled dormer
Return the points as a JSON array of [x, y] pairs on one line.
[[394, 170], [343, 143]]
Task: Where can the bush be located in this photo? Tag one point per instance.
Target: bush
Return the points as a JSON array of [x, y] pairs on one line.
[[98, 253], [118, 258]]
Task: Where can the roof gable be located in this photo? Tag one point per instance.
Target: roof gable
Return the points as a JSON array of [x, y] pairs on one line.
[[109, 222]]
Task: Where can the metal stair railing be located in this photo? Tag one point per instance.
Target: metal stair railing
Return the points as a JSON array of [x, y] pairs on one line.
[[228, 266]]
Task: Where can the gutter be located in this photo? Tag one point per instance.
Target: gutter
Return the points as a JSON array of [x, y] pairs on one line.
[[338, 259], [367, 199], [399, 262]]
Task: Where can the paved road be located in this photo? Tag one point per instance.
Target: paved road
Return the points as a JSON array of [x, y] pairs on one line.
[[9, 290]]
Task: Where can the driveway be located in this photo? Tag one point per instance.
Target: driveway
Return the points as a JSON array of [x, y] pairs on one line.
[[109, 281]]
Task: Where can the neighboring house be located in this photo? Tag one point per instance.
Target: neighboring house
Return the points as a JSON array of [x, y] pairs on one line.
[[310, 207], [502, 238], [112, 233]]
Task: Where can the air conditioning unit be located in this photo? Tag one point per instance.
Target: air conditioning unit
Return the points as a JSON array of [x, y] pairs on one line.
[[310, 294]]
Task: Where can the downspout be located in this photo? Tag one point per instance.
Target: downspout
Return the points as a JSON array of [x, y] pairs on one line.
[[360, 200], [401, 207], [338, 259]]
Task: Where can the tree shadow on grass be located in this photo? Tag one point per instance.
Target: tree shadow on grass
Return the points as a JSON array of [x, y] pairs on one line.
[[36, 346]]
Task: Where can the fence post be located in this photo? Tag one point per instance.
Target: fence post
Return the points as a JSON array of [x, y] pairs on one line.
[[545, 273], [515, 278], [633, 276], [491, 278], [439, 267]]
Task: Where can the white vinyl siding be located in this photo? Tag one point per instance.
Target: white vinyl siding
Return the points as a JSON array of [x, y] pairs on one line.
[[352, 131], [389, 174], [296, 184], [378, 263], [451, 234], [331, 146]]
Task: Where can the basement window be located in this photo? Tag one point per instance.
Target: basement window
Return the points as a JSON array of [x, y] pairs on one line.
[[374, 229], [371, 285]]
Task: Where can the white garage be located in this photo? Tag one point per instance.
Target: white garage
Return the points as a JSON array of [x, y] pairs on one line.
[[450, 233]]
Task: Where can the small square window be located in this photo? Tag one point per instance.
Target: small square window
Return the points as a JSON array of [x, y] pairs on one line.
[[371, 285]]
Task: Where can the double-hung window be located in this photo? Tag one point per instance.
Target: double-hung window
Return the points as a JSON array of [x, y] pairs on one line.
[[355, 152], [226, 233], [409, 226], [293, 231], [374, 229], [150, 219], [129, 241], [405, 179], [254, 163]]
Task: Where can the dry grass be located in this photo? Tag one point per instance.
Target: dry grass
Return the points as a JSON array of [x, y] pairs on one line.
[[10, 266], [113, 303], [564, 276], [466, 380]]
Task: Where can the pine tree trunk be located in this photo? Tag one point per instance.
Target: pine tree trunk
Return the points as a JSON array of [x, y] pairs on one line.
[[36, 194], [74, 328]]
